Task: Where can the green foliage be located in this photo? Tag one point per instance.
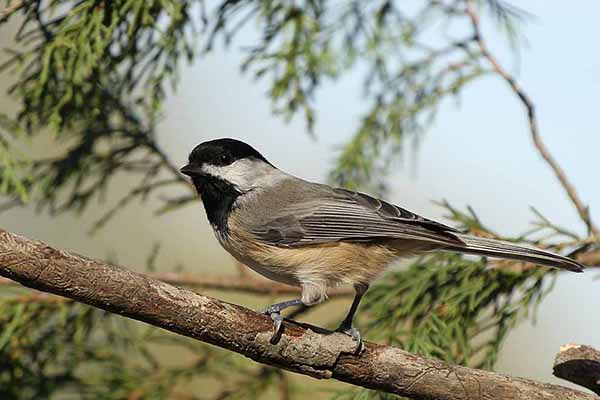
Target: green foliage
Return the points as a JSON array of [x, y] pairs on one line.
[[94, 74], [14, 179], [53, 348], [451, 308], [48, 347], [11, 181], [77, 62]]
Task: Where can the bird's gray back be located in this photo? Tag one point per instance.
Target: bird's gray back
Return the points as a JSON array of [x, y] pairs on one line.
[[294, 212], [289, 196]]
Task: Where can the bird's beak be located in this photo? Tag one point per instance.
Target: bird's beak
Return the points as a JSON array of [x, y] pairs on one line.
[[191, 170]]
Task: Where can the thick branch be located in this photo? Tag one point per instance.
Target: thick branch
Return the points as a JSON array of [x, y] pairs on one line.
[[302, 349], [582, 209], [579, 364], [229, 283]]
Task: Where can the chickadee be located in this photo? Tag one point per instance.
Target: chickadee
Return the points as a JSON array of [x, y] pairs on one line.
[[314, 236]]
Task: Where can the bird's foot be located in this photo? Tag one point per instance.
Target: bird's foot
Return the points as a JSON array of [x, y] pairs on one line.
[[277, 327], [277, 322], [274, 311], [355, 335]]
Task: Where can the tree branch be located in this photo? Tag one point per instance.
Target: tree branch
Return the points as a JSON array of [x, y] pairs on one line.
[[229, 283], [579, 364], [582, 209], [302, 348]]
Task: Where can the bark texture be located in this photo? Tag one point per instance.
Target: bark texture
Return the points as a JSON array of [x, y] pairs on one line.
[[579, 364], [302, 348]]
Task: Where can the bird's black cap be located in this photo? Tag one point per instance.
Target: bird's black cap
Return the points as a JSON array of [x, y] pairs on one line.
[[219, 152]]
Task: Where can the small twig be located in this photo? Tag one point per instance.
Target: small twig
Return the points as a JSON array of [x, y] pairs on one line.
[[533, 125], [590, 258], [546, 223], [12, 203], [141, 191], [12, 8], [168, 164]]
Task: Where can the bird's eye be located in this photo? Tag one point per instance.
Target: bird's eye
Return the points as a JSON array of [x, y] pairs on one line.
[[225, 158]]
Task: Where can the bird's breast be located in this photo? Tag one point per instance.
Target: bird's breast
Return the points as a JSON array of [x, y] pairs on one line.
[[322, 265], [255, 256]]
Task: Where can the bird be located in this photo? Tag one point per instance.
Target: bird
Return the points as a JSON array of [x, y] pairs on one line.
[[315, 236]]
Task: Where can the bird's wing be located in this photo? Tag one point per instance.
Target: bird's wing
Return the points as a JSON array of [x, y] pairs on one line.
[[340, 215]]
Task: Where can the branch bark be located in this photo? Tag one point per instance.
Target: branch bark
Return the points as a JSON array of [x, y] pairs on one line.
[[579, 364], [302, 348], [228, 283], [582, 209]]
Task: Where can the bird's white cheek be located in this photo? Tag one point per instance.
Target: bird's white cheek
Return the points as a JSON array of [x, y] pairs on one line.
[[237, 173], [246, 174]]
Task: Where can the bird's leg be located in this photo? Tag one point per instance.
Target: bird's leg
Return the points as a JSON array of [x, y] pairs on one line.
[[313, 292], [346, 325], [274, 311]]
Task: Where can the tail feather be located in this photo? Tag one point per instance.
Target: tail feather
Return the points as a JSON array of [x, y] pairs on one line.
[[501, 249]]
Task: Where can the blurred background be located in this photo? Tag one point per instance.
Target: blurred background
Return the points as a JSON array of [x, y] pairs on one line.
[[477, 152]]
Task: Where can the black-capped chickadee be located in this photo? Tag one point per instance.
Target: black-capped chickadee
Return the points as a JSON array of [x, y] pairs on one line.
[[314, 236]]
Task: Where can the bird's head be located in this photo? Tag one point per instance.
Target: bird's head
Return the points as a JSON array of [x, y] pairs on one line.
[[227, 161]]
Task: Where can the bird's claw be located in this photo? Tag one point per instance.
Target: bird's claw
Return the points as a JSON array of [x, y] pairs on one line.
[[277, 323], [277, 326], [355, 335]]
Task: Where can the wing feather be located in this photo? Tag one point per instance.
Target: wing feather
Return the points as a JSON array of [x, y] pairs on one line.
[[341, 215]]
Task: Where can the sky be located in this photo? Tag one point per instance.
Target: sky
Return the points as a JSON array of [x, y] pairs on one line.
[[477, 153]]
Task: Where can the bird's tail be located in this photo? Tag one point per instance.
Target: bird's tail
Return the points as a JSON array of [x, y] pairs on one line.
[[501, 249]]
